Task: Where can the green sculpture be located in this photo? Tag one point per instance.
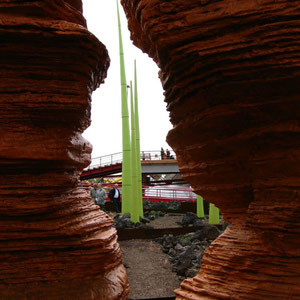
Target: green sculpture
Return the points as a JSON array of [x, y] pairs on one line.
[[134, 205], [126, 164], [200, 208], [213, 215], [138, 149]]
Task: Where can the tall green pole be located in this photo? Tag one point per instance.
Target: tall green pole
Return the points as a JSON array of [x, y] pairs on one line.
[[126, 176], [214, 218], [138, 149], [200, 208], [134, 207]]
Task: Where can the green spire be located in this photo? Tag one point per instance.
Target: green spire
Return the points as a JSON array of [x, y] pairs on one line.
[[134, 206], [126, 166], [138, 150], [200, 209], [213, 215]]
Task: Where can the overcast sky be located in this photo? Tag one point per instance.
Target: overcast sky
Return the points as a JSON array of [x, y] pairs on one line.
[[105, 132]]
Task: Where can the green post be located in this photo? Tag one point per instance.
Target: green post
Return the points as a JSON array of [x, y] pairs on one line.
[[214, 218], [200, 208], [134, 206], [138, 149], [126, 165]]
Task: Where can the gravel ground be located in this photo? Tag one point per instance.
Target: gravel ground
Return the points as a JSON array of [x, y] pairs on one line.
[[148, 270], [166, 222]]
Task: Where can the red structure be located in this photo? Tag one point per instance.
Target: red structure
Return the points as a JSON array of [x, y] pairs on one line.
[[156, 193], [112, 164], [101, 171]]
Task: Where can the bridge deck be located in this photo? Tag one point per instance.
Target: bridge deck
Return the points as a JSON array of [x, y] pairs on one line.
[[151, 163]]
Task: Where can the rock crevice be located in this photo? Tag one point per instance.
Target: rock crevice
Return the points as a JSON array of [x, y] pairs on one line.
[[230, 71]]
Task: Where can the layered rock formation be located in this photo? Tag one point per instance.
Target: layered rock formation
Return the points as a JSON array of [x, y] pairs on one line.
[[231, 74], [54, 242]]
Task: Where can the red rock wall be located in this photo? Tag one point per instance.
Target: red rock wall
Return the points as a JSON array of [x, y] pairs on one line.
[[231, 75], [54, 242]]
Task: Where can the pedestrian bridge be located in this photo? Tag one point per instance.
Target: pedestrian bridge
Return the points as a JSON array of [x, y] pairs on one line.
[[151, 163]]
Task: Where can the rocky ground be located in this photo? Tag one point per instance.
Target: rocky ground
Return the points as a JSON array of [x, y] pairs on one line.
[[156, 267], [148, 269]]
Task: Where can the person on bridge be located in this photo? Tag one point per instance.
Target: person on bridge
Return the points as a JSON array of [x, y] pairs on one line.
[[100, 196], [162, 153], [114, 196], [168, 154]]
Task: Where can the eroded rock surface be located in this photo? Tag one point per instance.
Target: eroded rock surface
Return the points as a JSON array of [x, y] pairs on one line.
[[54, 242], [231, 74]]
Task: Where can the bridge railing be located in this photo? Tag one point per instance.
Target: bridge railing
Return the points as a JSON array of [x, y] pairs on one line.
[[156, 155], [106, 160], [116, 158], [155, 193], [168, 194]]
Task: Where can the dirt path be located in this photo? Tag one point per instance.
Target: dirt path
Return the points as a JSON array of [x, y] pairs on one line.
[[148, 270], [166, 222]]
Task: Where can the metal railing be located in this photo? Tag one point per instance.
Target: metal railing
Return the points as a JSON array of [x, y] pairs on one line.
[[106, 160], [116, 158], [168, 194], [155, 193]]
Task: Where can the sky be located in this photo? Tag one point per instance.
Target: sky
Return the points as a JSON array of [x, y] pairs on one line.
[[105, 132]]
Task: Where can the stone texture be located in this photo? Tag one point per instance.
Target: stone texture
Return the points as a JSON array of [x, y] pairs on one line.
[[54, 242], [231, 74]]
